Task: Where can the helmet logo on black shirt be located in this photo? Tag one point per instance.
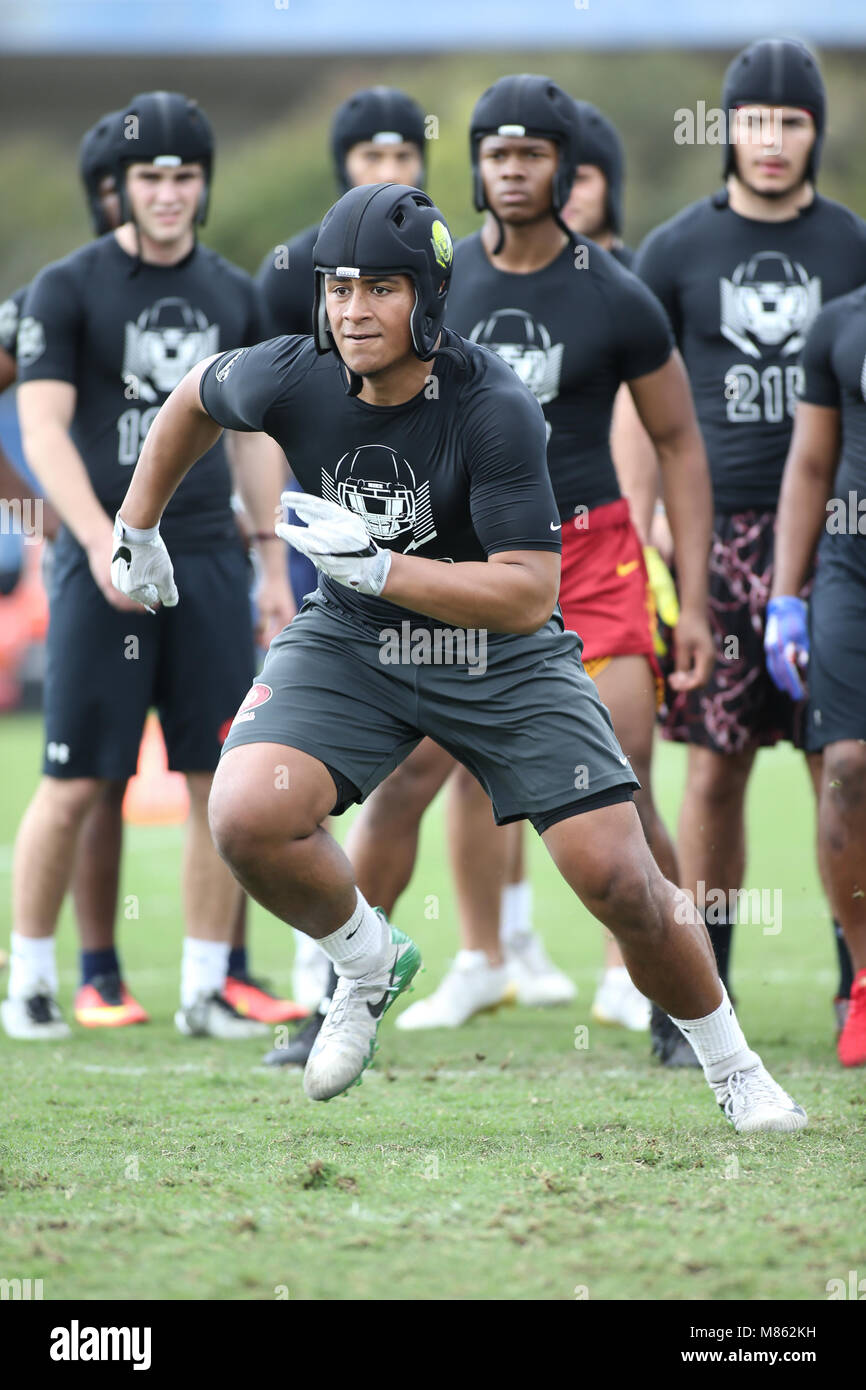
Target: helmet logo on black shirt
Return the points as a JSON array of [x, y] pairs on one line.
[[769, 302], [524, 343], [31, 340], [378, 485], [162, 345], [8, 324]]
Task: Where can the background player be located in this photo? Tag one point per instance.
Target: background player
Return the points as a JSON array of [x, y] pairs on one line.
[[336, 716], [742, 275], [104, 337], [828, 452]]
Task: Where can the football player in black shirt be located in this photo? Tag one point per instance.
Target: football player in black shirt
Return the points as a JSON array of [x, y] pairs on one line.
[[828, 454], [377, 136], [574, 325], [103, 998], [742, 275], [105, 335], [595, 204], [432, 520]]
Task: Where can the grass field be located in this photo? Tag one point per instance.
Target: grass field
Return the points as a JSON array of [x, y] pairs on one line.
[[498, 1162]]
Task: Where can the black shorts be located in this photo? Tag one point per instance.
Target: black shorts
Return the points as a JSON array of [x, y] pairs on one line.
[[106, 668], [530, 726], [837, 664], [739, 709]]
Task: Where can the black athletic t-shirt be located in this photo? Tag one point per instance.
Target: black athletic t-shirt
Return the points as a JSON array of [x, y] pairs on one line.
[[834, 366], [285, 281], [10, 317], [573, 332], [456, 473], [741, 296], [124, 333], [624, 254]]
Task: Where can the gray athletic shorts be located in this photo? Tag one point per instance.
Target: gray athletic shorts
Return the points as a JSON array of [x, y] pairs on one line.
[[523, 716]]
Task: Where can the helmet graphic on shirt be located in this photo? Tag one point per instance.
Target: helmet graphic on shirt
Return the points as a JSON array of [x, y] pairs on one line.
[[769, 302], [377, 485], [524, 343], [164, 343]]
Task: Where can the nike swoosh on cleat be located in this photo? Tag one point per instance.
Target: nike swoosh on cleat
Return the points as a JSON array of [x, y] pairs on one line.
[[377, 1009]]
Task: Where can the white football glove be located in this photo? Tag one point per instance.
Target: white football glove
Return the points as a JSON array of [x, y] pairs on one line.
[[141, 567], [337, 542]]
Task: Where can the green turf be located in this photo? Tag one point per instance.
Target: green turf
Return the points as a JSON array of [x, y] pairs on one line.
[[500, 1161]]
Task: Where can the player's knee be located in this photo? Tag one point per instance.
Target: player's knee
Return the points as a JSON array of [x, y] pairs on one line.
[[67, 802], [845, 779], [244, 828], [618, 891], [720, 783], [406, 794]]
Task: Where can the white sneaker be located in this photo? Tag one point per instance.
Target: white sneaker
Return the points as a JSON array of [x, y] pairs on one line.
[[347, 1038], [535, 977], [36, 1017], [753, 1102], [212, 1016], [310, 972], [472, 986], [619, 1003]]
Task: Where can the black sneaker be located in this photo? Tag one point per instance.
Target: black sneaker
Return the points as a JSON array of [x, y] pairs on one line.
[[298, 1049], [668, 1043]]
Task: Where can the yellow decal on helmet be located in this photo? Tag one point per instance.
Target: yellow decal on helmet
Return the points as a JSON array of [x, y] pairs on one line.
[[443, 248]]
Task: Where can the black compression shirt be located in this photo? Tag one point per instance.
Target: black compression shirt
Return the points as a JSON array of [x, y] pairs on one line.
[[834, 366], [741, 296], [124, 334], [573, 332], [285, 280], [456, 473]]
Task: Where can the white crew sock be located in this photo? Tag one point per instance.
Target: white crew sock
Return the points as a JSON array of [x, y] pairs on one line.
[[359, 944], [203, 969], [719, 1042], [32, 966], [515, 915]]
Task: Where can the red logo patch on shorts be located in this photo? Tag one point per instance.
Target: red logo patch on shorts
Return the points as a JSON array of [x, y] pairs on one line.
[[257, 695]]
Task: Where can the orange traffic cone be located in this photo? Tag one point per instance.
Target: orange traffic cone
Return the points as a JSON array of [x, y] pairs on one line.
[[155, 796]]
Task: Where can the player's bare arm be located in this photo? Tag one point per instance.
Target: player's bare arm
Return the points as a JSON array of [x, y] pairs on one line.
[[664, 403], [636, 462], [514, 591], [45, 412], [806, 485], [258, 467]]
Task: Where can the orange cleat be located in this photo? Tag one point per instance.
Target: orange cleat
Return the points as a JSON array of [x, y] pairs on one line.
[[107, 1003], [851, 1047], [247, 996]]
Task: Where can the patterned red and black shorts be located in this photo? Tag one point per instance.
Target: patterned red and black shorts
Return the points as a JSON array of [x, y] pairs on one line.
[[739, 708]]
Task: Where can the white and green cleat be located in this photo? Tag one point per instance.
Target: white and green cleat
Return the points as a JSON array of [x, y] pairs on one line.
[[347, 1038]]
